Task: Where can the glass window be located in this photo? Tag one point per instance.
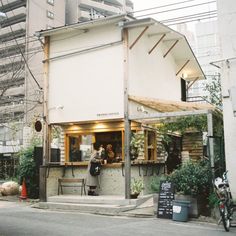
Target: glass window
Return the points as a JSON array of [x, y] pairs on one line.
[[80, 146], [51, 2], [50, 14]]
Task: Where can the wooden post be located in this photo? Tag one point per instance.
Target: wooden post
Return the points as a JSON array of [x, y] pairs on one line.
[[45, 104], [42, 184], [126, 117], [46, 128]]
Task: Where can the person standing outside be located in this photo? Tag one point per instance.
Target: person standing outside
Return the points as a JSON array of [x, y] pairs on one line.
[[93, 181]]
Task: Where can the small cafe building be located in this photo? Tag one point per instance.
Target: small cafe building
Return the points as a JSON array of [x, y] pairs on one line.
[[102, 78]]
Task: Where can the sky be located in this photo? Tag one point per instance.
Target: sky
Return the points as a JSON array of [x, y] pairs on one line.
[[181, 9]]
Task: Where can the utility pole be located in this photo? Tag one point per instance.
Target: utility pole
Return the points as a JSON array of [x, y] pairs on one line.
[[126, 116]]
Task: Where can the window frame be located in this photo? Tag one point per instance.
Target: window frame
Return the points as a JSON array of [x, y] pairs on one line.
[[71, 134], [51, 2], [50, 14]]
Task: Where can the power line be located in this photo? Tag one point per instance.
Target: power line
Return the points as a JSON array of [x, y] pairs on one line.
[[162, 6], [179, 8], [184, 22], [190, 16]]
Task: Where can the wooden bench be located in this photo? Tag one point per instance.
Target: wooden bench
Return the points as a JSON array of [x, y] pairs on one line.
[[71, 182]]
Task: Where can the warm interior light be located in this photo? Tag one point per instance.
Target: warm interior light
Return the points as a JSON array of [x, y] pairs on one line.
[[185, 75], [101, 126]]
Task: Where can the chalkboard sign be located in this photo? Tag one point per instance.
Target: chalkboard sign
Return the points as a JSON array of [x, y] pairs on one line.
[[166, 196]]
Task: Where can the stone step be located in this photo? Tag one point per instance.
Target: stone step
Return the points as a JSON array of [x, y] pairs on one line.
[[86, 208], [99, 200]]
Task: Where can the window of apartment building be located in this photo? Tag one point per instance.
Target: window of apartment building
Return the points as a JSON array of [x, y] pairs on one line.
[[51, 2], [49, 27], [50, 14]]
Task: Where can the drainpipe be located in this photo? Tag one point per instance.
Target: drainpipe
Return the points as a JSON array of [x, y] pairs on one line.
[[211, 142]]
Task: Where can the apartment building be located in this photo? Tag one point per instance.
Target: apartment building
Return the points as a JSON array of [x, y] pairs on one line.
[[21, 69], [84, 10]]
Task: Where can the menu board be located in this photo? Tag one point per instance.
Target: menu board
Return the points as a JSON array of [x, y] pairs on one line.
[[165, 201]]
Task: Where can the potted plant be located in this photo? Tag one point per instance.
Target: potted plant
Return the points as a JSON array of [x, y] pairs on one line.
[[192, 182], [136, 187], [136, 144]]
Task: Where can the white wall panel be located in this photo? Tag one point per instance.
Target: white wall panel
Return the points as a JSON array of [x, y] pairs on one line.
[[152, 75], [88, 86]]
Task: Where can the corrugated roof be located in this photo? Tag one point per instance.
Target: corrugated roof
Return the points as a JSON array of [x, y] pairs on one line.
[[167, 109], [170, 106]]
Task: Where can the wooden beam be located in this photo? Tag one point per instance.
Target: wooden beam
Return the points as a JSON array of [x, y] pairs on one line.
[[137, 39], [171, 48], [191, 84], [159, 115], [163, 36], [182, 67]]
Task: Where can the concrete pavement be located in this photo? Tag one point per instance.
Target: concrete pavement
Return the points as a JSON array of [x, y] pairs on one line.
[[103, 205]]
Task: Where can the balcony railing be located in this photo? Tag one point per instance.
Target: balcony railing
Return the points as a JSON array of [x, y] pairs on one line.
[[12, 35], [10, 6], [10, 67], [11, 51], [11, 82], [13, 20]]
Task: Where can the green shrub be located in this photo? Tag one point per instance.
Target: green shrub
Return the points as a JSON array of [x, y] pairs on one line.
[[155, 183], [192, 178], [213, 200], [27, 170]]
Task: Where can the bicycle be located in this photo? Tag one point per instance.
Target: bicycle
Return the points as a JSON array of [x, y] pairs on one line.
[[225, 202]]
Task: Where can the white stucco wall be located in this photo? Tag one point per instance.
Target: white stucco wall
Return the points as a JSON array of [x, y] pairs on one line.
[[227, 24], [151, 75], [89, 85]]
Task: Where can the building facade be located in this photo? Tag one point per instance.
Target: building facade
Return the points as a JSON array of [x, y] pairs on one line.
[[140, 73], [84, 10], [227, 64]]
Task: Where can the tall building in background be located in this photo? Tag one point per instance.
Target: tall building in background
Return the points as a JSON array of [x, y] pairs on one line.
[[21, 67], [227, 65], [84, 10], [207, 49]]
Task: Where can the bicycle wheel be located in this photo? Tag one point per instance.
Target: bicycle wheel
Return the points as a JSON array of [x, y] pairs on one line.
[[225, 217]]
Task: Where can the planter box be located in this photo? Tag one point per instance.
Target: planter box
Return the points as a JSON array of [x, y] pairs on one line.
[[195, 204]]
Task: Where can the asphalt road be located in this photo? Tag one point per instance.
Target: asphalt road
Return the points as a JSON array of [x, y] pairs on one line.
[[18, 219]]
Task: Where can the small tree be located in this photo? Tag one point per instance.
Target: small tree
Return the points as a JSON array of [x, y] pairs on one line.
[[214, 90]]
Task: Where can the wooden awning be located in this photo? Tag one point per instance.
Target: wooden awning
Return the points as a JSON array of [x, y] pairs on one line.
[[170, 106], [165, 109]]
